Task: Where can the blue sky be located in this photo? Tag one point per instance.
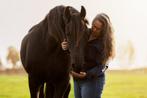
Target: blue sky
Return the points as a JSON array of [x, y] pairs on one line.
[[128, 17]]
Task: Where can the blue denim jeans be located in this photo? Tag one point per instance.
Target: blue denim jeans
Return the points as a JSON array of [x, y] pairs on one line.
[[89, 88]]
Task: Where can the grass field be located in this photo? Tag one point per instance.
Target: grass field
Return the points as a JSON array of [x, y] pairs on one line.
[[123, 84]]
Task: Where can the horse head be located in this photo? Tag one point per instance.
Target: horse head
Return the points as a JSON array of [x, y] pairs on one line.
[[76, 33]]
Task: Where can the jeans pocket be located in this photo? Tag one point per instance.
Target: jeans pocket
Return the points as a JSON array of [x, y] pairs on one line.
[[92, 73]]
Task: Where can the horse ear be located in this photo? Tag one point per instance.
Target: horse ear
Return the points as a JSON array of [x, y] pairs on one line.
[[83, 12], [67, 13]]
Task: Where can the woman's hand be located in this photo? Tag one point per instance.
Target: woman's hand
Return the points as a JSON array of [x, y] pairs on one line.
[[80, 75], [64, 45]]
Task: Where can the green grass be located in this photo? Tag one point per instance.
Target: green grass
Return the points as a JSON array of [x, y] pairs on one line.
[[118, 85], [13, 86], [126, 85]]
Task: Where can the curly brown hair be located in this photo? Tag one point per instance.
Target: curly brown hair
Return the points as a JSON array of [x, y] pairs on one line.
[[106, 35]]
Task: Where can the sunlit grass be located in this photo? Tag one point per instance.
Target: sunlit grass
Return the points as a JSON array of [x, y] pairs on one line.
[[13, 86], [118, 85], [126, 85]]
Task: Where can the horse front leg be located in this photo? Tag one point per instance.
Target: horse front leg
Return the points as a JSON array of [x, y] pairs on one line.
[[41, 91], [60, 89], [49, 92], [66, 94], [34, 87]]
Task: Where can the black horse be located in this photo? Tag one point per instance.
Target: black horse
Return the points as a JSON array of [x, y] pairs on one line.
[[42, 55]]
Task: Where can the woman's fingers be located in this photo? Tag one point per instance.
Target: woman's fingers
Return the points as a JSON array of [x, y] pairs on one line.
[[83, 73], [64, 45]]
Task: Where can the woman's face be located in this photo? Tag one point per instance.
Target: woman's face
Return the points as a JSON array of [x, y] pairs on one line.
[[96, 28]]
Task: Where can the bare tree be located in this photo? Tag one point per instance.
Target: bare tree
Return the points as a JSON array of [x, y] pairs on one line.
[[127, 53], [0, 62], [131, 52], [13, 56]]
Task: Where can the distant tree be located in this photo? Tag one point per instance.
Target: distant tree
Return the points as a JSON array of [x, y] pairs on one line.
[[13, 56], [131, 51], [0, 62], [127, 53]]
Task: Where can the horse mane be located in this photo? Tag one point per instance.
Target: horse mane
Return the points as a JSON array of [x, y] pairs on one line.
[[56, 23]]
